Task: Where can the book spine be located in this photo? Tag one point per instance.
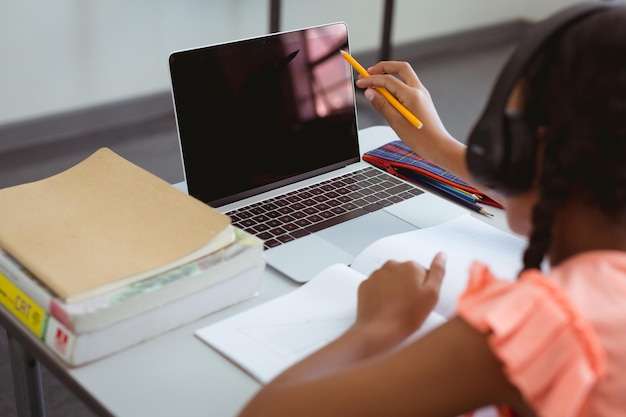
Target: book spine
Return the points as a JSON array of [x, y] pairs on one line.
[[27, 311], [60, 340], [35, 318], [30, 286]]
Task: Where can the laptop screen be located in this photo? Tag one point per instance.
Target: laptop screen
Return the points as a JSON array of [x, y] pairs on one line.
[[260, 113]]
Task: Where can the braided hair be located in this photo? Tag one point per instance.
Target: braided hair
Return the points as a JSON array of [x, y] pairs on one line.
[[576, 92]]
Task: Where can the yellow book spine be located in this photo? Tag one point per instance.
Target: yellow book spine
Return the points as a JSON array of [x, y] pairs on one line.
[[23, 307]]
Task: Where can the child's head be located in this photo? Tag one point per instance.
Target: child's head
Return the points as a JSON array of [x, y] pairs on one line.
[[574, 97]]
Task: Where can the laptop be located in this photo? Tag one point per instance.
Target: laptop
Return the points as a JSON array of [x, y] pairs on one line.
[[268, 134]]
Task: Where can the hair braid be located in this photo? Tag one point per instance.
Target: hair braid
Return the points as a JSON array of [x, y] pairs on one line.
[[553, 194]]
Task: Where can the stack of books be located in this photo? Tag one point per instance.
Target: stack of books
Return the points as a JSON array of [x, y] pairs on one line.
[[106, 255]]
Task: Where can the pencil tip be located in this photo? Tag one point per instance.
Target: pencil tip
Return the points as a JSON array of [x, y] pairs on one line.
[[486, 213]]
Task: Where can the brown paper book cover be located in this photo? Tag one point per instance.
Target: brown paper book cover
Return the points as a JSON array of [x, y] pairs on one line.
[[105, 223]]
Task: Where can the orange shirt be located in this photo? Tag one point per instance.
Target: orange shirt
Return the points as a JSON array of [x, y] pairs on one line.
[[561, 336]]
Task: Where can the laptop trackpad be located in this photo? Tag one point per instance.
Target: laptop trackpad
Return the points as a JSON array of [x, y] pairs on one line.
[[355, 235], [302, 258]]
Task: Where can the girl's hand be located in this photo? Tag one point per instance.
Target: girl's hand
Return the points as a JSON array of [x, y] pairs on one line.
[[402, 82], [396, 299]]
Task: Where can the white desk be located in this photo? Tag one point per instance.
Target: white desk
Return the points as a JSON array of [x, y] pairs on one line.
[[176, 374]]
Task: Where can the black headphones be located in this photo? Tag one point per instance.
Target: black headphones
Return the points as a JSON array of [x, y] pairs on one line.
[[501, 149]]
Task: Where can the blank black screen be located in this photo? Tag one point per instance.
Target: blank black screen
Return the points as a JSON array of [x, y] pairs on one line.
[[262, 112]]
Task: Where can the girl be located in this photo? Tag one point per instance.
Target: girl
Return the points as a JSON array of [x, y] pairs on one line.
[[553, 342]]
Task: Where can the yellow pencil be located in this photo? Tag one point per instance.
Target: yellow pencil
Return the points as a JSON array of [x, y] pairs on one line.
[[391, 99]]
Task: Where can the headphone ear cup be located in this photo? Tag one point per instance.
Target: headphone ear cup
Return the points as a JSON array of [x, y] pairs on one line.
[[520, 171], [486, 152]]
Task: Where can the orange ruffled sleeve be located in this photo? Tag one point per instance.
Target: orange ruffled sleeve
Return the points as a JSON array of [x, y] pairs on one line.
[[549, 351]]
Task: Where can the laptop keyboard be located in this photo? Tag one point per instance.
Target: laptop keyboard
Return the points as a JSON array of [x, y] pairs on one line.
[[310, 209]]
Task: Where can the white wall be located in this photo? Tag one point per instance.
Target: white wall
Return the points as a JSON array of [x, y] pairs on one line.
[[424, 19], [63, 55], [413, 19]]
